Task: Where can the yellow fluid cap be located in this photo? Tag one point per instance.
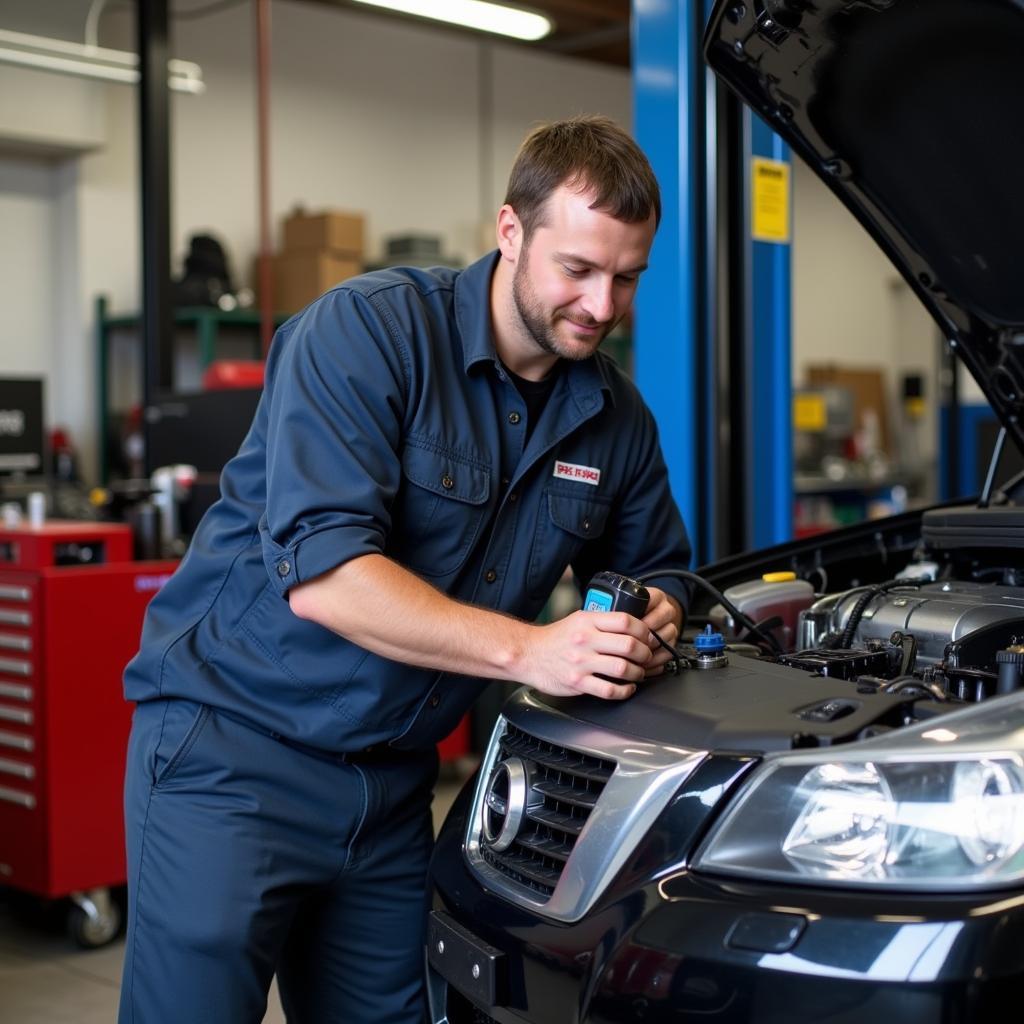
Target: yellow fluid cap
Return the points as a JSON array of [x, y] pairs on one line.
[[778, 577], [99, 496]]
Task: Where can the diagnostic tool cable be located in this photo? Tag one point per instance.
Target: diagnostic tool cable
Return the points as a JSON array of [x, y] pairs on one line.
[[744, 620]]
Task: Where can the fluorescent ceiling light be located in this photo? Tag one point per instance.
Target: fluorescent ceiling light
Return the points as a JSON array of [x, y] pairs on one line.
[[91, 61], [487, 17]]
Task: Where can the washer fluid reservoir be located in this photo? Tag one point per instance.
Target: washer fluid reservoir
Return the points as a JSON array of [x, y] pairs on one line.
[[774, 594]]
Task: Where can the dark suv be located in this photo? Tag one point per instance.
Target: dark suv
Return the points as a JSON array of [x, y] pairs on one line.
[[823, 821]]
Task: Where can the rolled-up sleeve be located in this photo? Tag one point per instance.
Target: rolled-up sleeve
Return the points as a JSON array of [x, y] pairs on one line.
[[335, 394]]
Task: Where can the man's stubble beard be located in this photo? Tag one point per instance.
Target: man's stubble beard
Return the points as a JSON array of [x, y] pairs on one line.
[[536, 322]]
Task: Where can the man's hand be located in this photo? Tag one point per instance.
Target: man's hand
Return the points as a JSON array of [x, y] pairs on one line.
[[664, 617], [384, 608], [567, 658]]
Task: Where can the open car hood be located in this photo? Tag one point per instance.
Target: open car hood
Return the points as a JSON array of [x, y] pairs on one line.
[[912, 112]]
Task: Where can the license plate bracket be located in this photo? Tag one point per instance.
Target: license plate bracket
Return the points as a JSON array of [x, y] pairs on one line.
[[474, 967]]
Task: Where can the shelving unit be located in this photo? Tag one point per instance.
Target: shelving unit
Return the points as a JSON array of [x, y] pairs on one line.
[[849, 499], [211, 329]]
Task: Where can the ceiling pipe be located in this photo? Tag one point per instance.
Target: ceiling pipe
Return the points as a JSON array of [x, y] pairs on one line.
[[87, 60], [154, 140]]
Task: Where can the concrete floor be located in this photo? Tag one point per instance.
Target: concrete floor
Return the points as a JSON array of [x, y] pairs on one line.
[[46, 979]]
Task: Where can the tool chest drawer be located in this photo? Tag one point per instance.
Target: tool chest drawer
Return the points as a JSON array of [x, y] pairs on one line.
[[71, 608]]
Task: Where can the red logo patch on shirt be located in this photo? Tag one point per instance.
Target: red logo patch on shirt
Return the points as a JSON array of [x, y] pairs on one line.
[[584, 474]]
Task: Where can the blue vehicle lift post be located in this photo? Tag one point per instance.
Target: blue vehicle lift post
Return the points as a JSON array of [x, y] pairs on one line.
[[715, 305]]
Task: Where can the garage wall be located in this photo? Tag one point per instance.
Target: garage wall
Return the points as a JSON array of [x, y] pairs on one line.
[[851, 307], [28, 190], [414, 126]]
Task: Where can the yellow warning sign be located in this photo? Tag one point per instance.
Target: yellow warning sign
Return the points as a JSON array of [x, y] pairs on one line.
[[809, 413], [769, 200]]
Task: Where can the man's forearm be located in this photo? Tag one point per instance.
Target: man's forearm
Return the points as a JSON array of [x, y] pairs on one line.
[[382, 607], [379, 605]]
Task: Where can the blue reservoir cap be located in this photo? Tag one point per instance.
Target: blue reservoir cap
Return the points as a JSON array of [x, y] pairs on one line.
[[709, 642]]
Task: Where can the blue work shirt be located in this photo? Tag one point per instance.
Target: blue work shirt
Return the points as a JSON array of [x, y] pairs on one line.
[[388, 425]]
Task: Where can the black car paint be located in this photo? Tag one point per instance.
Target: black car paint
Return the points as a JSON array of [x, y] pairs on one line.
[[555, 959], [661, 944], [909, 111], [746, 705], [666, 945]]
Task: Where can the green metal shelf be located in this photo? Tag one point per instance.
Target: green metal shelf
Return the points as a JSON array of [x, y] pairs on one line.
[[205, 321]]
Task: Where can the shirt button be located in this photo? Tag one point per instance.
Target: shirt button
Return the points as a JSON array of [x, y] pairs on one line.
[[586, 526], [435, 700], [514, 496], [490, 576], [283, 568], [447, 482], [514, 418]]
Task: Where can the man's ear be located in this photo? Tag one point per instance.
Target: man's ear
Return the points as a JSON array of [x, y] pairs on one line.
[[510, 233]]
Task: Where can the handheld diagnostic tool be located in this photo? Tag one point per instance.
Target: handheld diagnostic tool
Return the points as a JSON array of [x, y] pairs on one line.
[[613, 592]]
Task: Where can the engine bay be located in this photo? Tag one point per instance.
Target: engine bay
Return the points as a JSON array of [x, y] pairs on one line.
[[890, 624], [947, 627], [840, 675]]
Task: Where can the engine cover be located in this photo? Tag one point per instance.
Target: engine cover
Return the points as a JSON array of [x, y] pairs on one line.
[[935, 613]]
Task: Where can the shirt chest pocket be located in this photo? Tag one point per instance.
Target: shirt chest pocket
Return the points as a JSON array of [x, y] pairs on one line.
[[565, 522], [439, 510]]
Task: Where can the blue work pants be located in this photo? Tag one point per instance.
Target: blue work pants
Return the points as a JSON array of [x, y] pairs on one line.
[[249, 857]]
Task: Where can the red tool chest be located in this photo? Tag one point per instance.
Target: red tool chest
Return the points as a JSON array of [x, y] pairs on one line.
[[71, 606]]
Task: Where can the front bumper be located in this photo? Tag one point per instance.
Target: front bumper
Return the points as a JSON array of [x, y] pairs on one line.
[[664, 945]]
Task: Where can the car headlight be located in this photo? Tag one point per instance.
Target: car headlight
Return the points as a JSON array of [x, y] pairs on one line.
[[936, 806]]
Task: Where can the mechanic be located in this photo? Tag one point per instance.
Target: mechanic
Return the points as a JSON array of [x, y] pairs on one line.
[[431, 451]]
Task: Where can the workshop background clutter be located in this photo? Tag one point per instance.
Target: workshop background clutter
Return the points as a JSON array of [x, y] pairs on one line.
[[391, 142], [318, 251]]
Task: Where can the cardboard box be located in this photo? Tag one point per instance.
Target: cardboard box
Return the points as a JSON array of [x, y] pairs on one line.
[[300, 277], [333, 231]]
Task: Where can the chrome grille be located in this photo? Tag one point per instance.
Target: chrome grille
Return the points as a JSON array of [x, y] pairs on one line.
[[561, 804], [564, 787]]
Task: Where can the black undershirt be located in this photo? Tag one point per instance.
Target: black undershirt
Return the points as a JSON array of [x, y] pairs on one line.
[[535, 393]]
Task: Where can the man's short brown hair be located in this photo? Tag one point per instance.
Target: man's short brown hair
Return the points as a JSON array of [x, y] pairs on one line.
[[591, 153]]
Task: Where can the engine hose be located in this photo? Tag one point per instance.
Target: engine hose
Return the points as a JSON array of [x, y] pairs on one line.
[[846, 638], [901, 683]]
